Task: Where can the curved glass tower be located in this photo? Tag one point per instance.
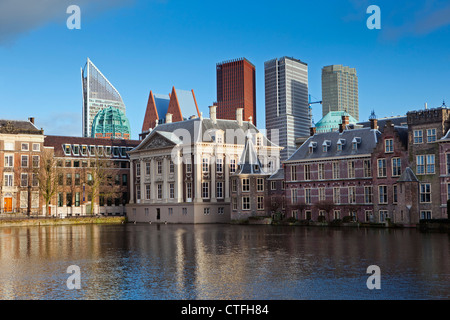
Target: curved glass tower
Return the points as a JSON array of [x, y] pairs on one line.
[[111, 123], [98, 94]]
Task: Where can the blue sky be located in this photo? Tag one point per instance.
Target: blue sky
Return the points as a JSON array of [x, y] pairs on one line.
[[154, 45]]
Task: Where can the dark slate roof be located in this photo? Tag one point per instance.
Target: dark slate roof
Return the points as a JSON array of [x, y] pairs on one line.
[[403, 134], [408, 176], [397, 121], [18, 126], [249, 162], [203, 130], [279, 175], [366, 140]]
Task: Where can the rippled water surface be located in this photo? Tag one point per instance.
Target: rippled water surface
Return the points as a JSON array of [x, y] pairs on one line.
[[221, 262]]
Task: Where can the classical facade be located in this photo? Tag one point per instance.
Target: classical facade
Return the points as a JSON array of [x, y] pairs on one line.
[[21, 144], [181, 171]]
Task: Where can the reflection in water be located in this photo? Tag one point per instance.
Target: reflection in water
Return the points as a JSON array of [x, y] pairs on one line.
[[221, 262]]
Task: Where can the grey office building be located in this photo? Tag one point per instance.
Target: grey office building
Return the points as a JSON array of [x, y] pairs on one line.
[[340, 90], [286, 95]]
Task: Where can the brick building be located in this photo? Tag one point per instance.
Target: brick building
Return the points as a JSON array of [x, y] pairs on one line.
[[21, 143]]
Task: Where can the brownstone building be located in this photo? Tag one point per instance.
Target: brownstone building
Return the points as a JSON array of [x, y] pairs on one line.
[[236, 88]]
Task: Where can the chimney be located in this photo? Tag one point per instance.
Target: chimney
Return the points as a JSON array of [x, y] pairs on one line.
[[169, 118], [312, 131], [213, 114], [345, 120], [31, 119], [239, 116], [373, 124], [341, 127]]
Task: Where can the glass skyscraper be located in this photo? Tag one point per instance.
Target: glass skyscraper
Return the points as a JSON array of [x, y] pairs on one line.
[[98, 94], [286, 96]]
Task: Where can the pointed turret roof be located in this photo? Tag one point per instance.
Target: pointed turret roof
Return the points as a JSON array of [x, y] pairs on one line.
[[408, 176], [249, 162]]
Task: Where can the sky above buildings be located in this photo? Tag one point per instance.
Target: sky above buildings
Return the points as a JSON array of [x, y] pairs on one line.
[[154, 45]]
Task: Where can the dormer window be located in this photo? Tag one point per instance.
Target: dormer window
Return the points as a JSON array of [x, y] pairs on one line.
[[66, 148], [325, 145], [355, 142], [76, 150], [83, 150], [312, 146], [340, 144]]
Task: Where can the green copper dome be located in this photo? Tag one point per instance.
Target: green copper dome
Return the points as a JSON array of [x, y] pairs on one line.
[[111, 123]]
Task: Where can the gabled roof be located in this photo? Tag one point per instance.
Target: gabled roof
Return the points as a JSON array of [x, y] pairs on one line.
[[408, 176], [18, 127], [279, 175], [365, 138], [249, 162], [156, 110]]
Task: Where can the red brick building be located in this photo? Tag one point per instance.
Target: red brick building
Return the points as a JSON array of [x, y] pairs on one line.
[[236, 88]]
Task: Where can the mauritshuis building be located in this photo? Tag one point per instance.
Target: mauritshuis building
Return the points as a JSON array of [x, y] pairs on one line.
[[99, 94]]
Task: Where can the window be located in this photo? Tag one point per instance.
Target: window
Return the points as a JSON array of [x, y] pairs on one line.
[[336, 173], [205, 165], [147, 168], [184, 211], [24, 161], [425, 214], [394, 193], [293, 173], [321, 169], [146, 212], [205, 190], [25, 147], [115, 152], [382, 194], [367, 169], [246, 203], [219, 165], [232, 165], [294, 198], [159, 191], [307, 172], [36, 147], [171, 167], [273, 185], [396, 167], [389, 145], [219, 138], [171, 190], [425, 193], [352, 194], [260, 203], [425, 164], [23, 199], [368, 194], [219, 189], [69, 179], [337, 214], [69, 199], [77, 199], [138, 169], [159, 167], [351, 169], [246, 185], [431, 135], [24, 180], [8, 177], [383, 215], [83, 150], [337, 195], [234, 204], [147, 191], [368, 215], [188, 166], [381, 168], [307, 195], [234, 185], [189, 190], [9, 160], [206, 211], [76, 150], [418, 136], [220, 210], [60, 199], [77, 179], [260, 184], [124, 180], [448, 163], [321, 194]]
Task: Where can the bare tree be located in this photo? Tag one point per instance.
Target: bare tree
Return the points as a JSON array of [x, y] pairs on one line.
[[327, 206], [47, 174]]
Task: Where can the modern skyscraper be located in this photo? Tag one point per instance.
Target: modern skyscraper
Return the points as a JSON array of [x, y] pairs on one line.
[[340, 90], [286, 95], [236, 88], [98, 94]]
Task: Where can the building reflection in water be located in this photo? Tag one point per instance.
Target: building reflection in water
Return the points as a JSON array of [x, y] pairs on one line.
[[146, 261]]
